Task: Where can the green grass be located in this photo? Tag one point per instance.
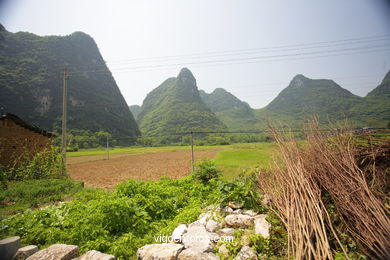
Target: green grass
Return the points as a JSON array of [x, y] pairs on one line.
[[21, 195], [137, 150], [244, 156]]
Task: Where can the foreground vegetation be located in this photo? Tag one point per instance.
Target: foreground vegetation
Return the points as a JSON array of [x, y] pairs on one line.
[[119, 222], [333, 224]]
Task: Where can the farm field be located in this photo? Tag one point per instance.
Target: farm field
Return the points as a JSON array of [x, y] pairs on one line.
[[152, 163]]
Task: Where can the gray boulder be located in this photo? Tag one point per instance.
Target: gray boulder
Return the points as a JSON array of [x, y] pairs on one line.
[[223, 250], [246, 252], [250, 212], [227, 232], [198, 239], [8, 247], [190, 254], [262, 226], [239, 220], [95, 255], [56, 252], [24, 252], [167, 251], [235, 205], [228, 210], [179, 232], [211, 225]]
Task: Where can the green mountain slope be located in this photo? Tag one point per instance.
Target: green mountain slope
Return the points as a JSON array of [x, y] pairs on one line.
[[374, 111], [176, 106], [135, 110], [305, 97], [31, 82], [234, 113]]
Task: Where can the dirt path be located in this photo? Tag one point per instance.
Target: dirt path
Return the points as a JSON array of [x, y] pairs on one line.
[[108, 173]]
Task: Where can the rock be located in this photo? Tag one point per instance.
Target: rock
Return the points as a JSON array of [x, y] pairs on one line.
[[262, 226], [8, 247], [250, 212], [25, 252], [190, 254], [203, 218], [211, 225], [167, 251], [228, 210], [237, 211], [56, 251], [214, 237], [239, 220], [179, 232], [223, 250], [198, 239], [227, 232], [95, 255], [235, 205], [246, 252]]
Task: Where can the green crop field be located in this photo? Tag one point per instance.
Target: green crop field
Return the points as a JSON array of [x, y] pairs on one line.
[[240, 157], [139, 150]]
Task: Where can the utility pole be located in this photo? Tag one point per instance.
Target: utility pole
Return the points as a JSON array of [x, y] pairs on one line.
[[192, 151], [64, 117], [107, 148]]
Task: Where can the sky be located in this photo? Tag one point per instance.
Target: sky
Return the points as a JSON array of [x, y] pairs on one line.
[[252, 48]]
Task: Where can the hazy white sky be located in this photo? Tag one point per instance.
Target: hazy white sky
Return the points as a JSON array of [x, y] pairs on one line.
[[131, 34]]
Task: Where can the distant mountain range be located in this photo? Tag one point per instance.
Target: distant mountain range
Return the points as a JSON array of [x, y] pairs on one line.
[[330, 102], [31, 86], [31, 83], [299, 101]]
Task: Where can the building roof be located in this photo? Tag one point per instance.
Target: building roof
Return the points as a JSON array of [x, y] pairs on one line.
[[25, 124]]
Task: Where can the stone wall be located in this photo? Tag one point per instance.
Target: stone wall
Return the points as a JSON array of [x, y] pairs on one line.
[[17, 141]]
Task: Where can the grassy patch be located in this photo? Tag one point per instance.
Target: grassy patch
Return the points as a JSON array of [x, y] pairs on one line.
[[138, 150], [243, 156], [21, 195]]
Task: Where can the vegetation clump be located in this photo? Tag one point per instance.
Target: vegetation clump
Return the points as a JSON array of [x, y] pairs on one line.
[[121, 221]]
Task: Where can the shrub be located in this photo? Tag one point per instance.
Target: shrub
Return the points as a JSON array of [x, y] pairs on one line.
[[206, 171], [46, 164]]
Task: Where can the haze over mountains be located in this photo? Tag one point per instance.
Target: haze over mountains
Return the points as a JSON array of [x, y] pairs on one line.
[[31, 87], [31, 83]]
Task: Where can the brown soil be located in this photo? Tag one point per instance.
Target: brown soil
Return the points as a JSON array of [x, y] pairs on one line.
[[108, 173]]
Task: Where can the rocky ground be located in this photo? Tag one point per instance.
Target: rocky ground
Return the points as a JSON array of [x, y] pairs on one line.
[[211, 236]]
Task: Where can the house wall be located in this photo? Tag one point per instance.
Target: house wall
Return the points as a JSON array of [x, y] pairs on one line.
[[16, 142]]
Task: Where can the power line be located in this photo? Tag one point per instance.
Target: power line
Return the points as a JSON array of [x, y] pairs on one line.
[[277, 48], [269, 58]]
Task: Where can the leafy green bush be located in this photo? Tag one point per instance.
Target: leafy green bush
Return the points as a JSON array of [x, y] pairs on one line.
[[31, 193], [119, 222], [206, 170], [242, 190], [46, 164]]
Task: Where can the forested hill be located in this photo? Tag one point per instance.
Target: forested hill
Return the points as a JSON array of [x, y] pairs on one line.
[[374, 110], [304, 97], [176, 106], [234, 113], [31, 83]]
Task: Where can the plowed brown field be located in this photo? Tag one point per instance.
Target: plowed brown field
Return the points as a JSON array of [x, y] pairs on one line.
[[108, 173]]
